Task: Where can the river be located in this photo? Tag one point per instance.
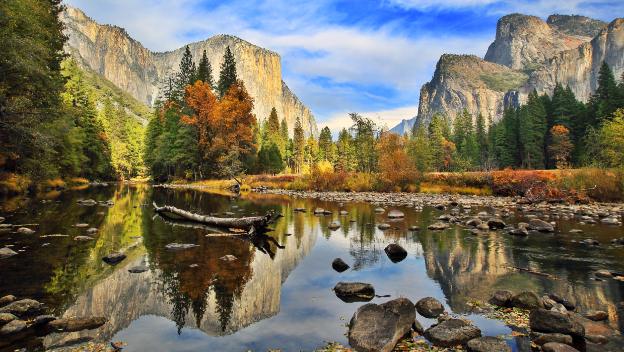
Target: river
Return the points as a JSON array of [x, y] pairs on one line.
[[271, 297]]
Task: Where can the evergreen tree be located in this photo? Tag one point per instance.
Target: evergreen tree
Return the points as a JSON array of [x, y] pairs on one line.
[[298, 146], [438, 138], [533, 124], [482, 141], [227, 76], [364, 132], [419, 148], [325, 144], [606, 98], [187, 74], [204, 70], [345, 153]]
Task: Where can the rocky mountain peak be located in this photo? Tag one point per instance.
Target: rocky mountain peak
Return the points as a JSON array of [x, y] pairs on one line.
[[112, 53], [524, 42], [576, 25]]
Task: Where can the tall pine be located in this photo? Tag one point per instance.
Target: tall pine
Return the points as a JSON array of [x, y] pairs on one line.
[[204, 70], [227, 76]]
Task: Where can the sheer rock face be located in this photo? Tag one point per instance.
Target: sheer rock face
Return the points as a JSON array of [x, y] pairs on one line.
[[467, 82], [111, 52], [527, 54], [527, 41]]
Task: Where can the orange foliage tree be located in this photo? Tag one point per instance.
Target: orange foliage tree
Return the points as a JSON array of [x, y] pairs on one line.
[[395, 166], [225, 127], [560, 146]]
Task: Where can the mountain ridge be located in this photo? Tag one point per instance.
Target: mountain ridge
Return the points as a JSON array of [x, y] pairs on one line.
[[111, 52]]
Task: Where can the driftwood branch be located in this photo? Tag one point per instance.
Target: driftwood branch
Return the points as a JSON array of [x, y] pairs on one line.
[[251, 224]]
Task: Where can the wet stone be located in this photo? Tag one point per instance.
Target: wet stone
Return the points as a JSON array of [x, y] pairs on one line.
[[395, 252], [452, 332], [558, 347], [488, 344], [429, 307], [354, 291], [138, 269], [339, 265], [114, 258]]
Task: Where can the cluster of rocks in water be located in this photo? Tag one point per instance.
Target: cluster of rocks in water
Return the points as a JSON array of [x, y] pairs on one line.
[[25, 319]]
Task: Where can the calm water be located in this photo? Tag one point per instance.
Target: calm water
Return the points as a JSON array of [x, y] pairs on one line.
[[270, 297]]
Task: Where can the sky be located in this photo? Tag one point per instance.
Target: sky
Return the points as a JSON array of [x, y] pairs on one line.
[[338, 56]]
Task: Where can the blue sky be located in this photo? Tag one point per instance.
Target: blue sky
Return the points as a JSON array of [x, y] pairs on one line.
[[340, 56]]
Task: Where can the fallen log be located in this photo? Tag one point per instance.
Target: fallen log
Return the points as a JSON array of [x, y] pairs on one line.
[[252, 223]]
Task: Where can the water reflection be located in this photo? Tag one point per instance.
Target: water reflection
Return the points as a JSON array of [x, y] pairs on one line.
[[276, 293]]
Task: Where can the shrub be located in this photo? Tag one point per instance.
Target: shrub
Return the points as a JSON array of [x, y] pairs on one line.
[[360, 182], [605, 185], [518, 182]]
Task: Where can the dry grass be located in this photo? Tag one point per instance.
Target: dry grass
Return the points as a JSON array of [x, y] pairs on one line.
[[426, 187]]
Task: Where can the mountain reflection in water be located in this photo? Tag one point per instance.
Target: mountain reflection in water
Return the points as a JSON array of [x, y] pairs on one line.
[[272, 297]]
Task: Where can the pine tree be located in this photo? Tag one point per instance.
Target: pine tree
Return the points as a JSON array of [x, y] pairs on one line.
[[204, 70], [364, 132], [533, 124], [186, 75], [345, 154], [482, 141], [419, 149], [227, 76], [438, 134], [298, 145], [605, 99], [325, 145]]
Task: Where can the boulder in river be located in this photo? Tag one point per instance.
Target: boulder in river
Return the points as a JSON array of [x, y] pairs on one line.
[[25, 231], [300, 210], [6, 318], [414, 228], [354, 291], [6, 252], [395, 214], [542, 320], [180, 246], [379, 327], [228, 258], [488, 344], [438, 226], [334, 225], [558, 347], [383, 226], [380, 210], [23, 307], [138, 269], [114, 258], [395, 252], [596, 315], [603, 273], [83, 238], [339, 265], [4, 300], [526, 300], [496, 223], [541, 225], [452, 332], [429, 307], [544, 338], [501, 298]]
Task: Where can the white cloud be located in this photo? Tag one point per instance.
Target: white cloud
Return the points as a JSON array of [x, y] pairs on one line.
[[434, 4], [383, 118]]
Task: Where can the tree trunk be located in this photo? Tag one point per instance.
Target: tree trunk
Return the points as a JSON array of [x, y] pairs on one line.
[[254, 223]]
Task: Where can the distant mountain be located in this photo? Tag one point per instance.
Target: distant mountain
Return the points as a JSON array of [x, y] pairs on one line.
[[111, 52], [527, 53], [404, 127]]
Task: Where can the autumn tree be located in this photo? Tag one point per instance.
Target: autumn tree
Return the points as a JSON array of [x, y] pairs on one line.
[[394, 165], [611, 140], [345, 152], [560, 146]]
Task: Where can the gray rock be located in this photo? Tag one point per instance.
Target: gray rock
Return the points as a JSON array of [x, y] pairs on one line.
[[43, 319], [319, 211], [610, 221], [542, 320], [83, 238], [414, 228], [597, 339], [520, 231], [603, 273], [114, 258], [354, 291], [377, 328], [488, 344], [92, 231], [344, 212], [25, 231], [13, 327], [180, 246], [596, 315], [300, 210], [496, 223], [451, 333], [501, 298], [541, 338], [395, 214], [395, 252], [81, 225], [22, 307], [339, 265], [76, 324], [383, 226], [380, 210], [526, 300], [567, 304], [474, 222], [558, 347], [429, 307], [541, 225], [228, 258], [138, 269], [6, 318], [334, 225], [7, 299], [438, 226]]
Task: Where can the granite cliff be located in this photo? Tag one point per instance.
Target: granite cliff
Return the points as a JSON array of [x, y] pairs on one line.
[[528, 53], [111, 52]]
